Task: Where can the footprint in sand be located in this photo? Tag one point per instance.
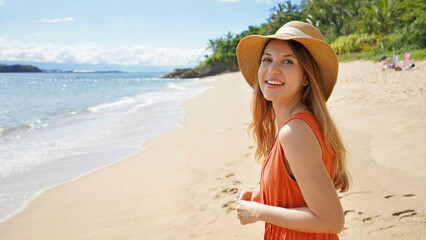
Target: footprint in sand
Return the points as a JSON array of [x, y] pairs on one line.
[[348, 211], [400, 195], [370, 219], [382, 228], [366, 218], [403, 213], [410, 215], [237, 182], [230, 175], [229, 206], [227, 191], [354, 193], [230, 190]]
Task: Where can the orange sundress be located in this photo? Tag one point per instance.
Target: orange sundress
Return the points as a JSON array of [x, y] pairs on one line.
[[278, 188]]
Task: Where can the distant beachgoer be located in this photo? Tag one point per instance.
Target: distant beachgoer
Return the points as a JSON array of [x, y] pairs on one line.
[[387, 63], [292, 74]]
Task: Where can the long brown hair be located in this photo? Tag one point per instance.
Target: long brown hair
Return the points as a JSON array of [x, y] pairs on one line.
[[263, 123]]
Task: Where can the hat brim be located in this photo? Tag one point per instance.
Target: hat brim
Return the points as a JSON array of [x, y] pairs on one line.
[[250, 48]]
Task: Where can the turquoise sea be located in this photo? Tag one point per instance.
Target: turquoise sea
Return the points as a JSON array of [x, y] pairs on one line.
[[56, 127]]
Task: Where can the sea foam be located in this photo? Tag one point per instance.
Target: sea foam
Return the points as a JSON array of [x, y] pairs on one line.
[[50, 136]]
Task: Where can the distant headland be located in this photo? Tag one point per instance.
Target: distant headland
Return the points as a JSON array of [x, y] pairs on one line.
[[18, 68]]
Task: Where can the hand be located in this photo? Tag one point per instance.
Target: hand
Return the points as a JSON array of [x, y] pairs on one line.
[[250, 195], [247, 211]]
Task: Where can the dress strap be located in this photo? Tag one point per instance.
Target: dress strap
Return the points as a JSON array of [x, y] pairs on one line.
[[309, 119]]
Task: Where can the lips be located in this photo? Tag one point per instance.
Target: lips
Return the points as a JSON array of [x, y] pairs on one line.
[[274, 83]]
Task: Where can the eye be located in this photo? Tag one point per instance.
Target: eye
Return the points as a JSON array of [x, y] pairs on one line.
[[288, 61], [266, 59]]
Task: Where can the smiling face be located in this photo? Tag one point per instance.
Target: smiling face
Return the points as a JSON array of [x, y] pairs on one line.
[[281, 77]]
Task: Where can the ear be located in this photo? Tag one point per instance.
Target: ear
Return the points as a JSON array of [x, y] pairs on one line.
[[306, 82]]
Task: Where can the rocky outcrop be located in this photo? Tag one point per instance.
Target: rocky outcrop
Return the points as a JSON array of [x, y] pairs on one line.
[[197, 72]]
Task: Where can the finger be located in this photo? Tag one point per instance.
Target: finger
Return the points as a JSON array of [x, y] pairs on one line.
[[242, 195], [241, 203], [238, 207]]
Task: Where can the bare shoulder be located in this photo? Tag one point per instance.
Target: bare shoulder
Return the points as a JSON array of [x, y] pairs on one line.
[[298, 136], [304, 156]]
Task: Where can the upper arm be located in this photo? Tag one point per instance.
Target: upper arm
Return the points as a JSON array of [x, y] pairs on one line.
[[304, 155]]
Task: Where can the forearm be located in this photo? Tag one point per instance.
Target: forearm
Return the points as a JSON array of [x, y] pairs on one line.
[[299, 219]]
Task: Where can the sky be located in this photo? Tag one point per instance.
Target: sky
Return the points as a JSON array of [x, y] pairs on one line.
[[120, 34]]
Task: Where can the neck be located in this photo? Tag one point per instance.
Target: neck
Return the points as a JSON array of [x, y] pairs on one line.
[[285, 111]]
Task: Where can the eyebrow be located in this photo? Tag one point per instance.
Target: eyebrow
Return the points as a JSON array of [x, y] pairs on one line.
[[285, 55]]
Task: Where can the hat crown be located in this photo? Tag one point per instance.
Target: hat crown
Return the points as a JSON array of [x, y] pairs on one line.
[[300, 29]]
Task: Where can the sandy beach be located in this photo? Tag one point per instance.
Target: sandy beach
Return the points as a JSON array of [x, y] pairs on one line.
[[186, 182]]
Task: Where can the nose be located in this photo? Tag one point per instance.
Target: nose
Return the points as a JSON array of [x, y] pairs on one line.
[[274, 68]]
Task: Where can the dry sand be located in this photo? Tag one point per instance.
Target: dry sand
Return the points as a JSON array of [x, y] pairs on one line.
[[186, 183], [382, 118]]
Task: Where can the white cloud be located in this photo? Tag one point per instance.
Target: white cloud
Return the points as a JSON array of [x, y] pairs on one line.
[[93, 53], [228, 0], [1, 3], [57, 20], [33, 36], [264, 1]]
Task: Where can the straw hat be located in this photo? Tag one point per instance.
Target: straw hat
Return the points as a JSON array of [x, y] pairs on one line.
[[250, 48]]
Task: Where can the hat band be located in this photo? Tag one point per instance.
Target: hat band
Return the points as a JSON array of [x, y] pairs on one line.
[[293, 31]]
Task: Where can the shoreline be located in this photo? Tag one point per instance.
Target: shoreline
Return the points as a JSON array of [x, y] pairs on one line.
[[28, 201], [187, 180], [186, 176], [19, 190]]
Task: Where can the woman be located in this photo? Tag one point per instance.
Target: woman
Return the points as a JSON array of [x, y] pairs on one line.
[[292, 74]]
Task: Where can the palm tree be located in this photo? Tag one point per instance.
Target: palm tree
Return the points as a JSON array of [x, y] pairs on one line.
[[352, 15], [281, 14], [382, 15], [314, 17], [212, 44], [323, 15], [289, 8]]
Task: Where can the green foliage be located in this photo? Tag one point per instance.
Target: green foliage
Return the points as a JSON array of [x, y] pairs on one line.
[[407, 38], [415, 34], [381, 16], [18, 68], [355, 43], [354, 28], [376, 56], [418, 54], [282, 13]]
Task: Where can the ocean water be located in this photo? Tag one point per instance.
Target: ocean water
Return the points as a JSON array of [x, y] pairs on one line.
[[56, 127]]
